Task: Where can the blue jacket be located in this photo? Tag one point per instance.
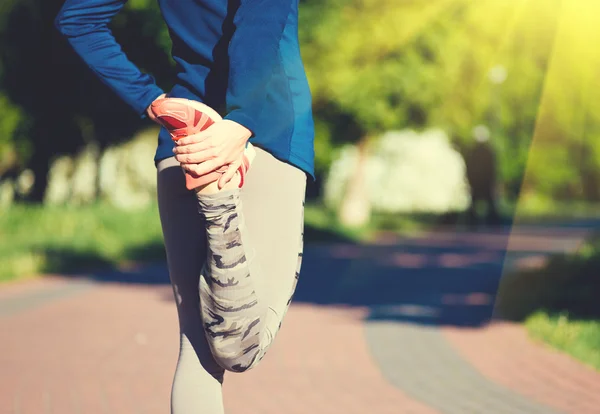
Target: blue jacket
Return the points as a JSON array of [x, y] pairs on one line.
[[241, 57]]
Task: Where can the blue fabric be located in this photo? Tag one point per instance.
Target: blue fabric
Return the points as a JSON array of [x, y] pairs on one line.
[[240, 57]]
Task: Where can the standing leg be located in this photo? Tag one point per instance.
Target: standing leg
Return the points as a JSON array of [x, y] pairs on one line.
[[493, 215], [472, 219], [254, 240], [198, 378]]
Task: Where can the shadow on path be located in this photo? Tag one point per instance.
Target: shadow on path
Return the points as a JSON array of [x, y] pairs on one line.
[[441, 278], [433, 280]]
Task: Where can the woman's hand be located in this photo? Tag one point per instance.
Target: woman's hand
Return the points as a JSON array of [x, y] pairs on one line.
[[221, 144]]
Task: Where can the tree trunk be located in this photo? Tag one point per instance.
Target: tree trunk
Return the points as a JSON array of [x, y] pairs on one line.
[[355, 209]]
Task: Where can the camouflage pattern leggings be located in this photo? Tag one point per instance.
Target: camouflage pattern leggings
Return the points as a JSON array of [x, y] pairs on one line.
[[234, 259]]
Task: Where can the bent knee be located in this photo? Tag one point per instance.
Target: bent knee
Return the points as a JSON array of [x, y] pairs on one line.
[[237, 359]]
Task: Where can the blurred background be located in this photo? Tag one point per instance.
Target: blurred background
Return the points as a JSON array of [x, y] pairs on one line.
[[458, 182]]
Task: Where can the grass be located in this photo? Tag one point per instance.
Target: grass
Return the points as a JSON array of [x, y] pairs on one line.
[[36, 239], [319, 218], [578, 338], [322, 225], [537, 209], [558, 304]]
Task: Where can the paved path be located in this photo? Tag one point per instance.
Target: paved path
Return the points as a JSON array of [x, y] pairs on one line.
[[397, 327]]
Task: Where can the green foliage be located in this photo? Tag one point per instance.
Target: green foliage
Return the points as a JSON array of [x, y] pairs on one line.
[[357, 61], [36, 239], [61, 104], [396, 64], [578, 338], [145, 14], [373, 65], [566, 283], [559, 302], [9, 122]]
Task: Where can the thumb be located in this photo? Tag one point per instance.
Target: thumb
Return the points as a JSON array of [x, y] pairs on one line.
[[228, 175]]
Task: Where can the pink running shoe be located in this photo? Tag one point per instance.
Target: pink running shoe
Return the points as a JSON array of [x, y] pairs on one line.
[[183, 117]]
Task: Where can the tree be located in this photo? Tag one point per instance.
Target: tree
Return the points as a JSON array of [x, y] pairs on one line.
[[369, 63], [386, 64], [54, 103]]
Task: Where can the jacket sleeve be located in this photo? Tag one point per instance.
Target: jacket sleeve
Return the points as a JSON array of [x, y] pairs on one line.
[[253, 55], [84, 23]]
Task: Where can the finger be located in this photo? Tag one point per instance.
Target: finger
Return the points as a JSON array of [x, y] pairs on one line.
[[195, 138], [227, 176], [190, 169], [205, 145], [195, 155], [196, 158], [203, 168]]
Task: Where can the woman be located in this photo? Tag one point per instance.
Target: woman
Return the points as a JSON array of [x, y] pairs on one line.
[[233, 253]]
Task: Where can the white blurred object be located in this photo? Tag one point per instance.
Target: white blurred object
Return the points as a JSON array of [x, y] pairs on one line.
[[481, 133], [58, 189], [405, 171], [25, 182], [7, 194], [498, 74], [127, 175], [355, 209], [85, 176], [124, 175]]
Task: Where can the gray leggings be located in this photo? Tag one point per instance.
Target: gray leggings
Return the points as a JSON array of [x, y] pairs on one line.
[[234, 259]]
